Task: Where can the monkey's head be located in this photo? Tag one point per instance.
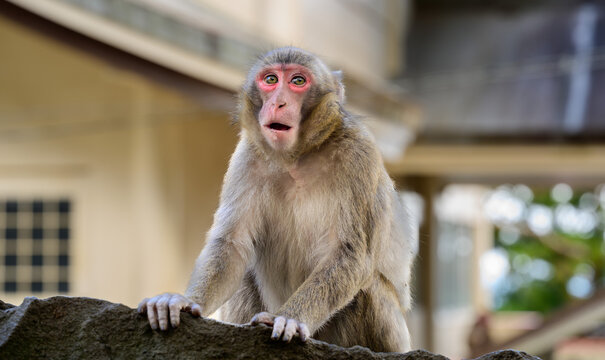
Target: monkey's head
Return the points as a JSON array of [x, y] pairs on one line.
[[290, 101]]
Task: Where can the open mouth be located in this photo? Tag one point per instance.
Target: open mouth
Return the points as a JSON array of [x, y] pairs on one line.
[[279, 127]]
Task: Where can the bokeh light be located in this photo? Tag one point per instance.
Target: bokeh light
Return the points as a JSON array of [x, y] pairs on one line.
[[576, 221], [579, 286], [540, 219], [541, 270], [588, 201], [494, 268], [561, 193], [523, 192], [502, 207], [509, 235]]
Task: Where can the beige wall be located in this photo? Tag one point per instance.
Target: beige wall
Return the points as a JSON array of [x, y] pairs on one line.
[[142, 163]]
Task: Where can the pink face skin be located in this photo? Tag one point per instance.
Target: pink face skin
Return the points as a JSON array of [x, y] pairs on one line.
[[283, 88]]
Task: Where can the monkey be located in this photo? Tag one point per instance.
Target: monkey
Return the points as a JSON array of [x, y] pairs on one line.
[[309, 236]]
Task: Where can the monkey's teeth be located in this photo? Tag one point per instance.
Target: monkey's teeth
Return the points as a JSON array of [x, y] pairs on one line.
[[278, 126]]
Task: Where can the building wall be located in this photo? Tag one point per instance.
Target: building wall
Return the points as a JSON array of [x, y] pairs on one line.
[[142, 164], [364, 37]]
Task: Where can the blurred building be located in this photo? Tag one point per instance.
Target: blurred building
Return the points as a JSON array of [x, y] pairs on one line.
[[512, 93], [115, 135]]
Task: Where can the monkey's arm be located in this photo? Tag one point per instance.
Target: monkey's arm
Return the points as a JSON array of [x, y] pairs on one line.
[[218, 272], [222, 263], [329, 288]]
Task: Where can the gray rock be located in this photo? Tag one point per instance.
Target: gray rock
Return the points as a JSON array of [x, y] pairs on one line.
[[507, 355], [84, 328]]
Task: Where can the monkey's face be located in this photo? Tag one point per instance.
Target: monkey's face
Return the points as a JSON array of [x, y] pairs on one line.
[[283, 89]]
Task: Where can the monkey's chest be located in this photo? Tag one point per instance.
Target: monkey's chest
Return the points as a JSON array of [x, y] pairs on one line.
[[298, 225], [298, 236], [300, 203]]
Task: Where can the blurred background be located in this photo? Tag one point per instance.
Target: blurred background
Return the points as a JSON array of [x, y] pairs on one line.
[[115, 133]]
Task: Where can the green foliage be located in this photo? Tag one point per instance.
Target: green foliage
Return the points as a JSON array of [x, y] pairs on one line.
[[564, 255]]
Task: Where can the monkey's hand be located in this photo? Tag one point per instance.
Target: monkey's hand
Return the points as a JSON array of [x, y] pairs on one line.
[[160, 307], [282, 328]]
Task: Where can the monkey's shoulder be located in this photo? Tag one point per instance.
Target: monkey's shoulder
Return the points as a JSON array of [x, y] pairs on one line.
[[355, 150]]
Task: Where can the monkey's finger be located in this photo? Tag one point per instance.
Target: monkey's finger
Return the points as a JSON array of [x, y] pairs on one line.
[[290, 330], [195, 309], [142, 308], [263, 318], [303, 331], [278, 327], [162, 309], [151, 314], [175, 305]]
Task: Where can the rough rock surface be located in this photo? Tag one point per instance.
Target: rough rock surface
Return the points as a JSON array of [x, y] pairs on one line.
[[84, 328], [507, 355]]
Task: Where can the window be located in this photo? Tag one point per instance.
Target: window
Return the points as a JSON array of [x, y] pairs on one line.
[[454, 268], [34, 245]]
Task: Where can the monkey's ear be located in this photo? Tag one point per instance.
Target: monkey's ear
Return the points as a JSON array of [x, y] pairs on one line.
[[340, 88]]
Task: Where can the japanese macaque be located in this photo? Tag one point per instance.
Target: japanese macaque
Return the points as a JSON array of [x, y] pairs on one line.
[[310, 236]]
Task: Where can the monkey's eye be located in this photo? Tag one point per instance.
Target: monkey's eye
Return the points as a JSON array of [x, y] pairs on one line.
[[298, 80], [270, 79]]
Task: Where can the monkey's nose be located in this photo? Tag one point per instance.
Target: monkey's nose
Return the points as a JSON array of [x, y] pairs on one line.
[[281, 105]]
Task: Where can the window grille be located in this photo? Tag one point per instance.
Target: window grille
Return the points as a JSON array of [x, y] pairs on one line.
[[34, 245]]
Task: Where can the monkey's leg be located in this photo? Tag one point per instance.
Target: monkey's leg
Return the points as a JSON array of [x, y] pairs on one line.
[[245, 303], [373, 319], [348, 327], [390, 328]]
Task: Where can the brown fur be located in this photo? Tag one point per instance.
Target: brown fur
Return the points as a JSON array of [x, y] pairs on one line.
[[314, 233]]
